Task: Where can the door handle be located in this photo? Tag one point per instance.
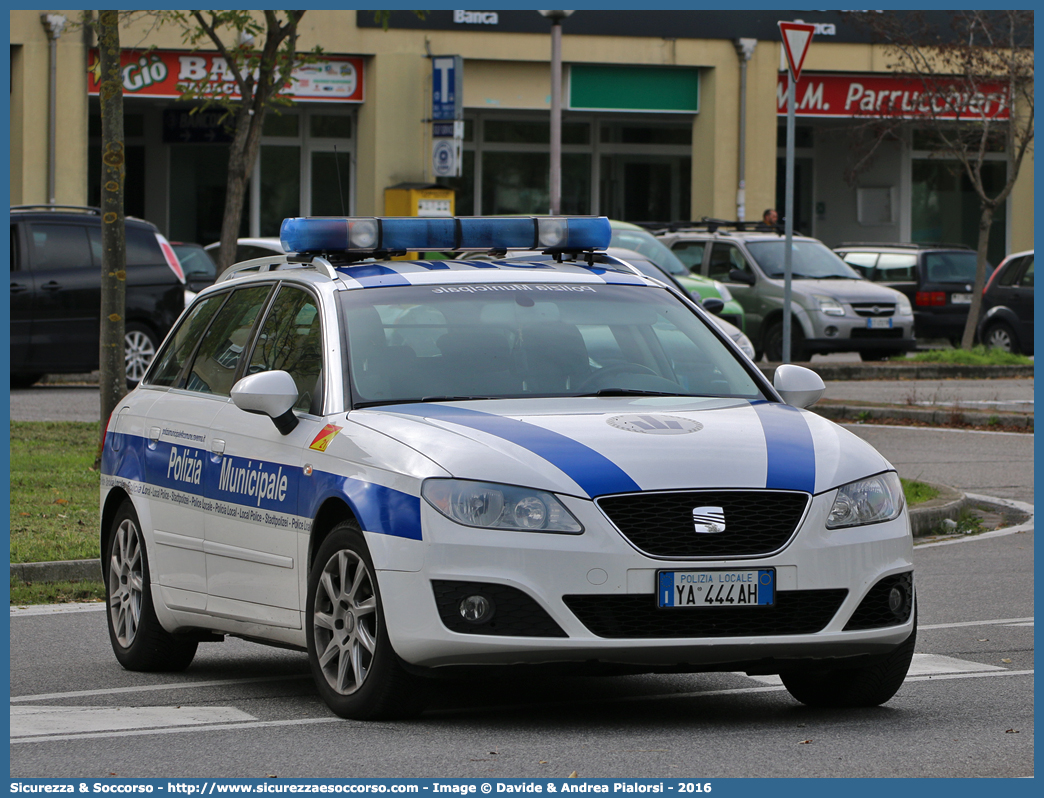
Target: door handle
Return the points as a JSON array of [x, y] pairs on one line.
[[51, 286], [18, 288]]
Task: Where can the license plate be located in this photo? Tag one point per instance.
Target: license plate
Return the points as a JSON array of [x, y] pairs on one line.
[[883, 323], [960, 299], [716, 588]]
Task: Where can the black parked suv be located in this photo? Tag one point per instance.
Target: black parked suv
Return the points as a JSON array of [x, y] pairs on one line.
[[938, 279], [1007, 306], [56, 292]]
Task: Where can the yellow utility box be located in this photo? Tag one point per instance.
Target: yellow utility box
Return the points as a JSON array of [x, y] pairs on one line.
[[418, 199]]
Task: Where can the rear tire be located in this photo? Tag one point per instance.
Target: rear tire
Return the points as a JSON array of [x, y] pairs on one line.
[[869, 686], [355, 669], [138, 640], [1000, 336]]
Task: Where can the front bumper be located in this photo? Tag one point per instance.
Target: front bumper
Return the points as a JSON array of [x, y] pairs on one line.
[[557, 572], [850, 333]]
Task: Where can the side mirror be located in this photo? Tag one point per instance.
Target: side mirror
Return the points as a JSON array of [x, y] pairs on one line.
[[269, 393], [714, 304], [740, 276], [799, 386]]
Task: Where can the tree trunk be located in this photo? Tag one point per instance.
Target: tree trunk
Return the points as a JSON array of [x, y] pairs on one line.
[[241, 159], [985, 220], [112, 381]]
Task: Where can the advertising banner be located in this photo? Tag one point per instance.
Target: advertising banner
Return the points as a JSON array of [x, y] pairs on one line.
[[843, 96], [166, 73]]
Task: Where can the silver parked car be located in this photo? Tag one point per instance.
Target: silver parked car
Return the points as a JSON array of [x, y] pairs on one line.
[[834, 308]]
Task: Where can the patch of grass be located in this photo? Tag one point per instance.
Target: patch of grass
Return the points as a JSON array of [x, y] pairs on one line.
[[56, 592], [976, 356], [54, 492], [917, 492]]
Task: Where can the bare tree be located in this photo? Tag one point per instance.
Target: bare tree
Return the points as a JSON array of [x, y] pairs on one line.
[[976, 96], [259, 76], [112, 379]]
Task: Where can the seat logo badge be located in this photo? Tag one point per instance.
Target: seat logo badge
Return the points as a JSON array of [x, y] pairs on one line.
[[708, 520]]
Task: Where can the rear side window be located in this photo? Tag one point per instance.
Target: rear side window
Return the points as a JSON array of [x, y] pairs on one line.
[[690, 253], [215, 366], [896, 268], [172, 358], [60, 246], [1026, 281], [862, 262], [952, 267], [142, 248]]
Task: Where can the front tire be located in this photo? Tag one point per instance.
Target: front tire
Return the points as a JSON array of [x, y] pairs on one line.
[[138, 640], [139, 348], [869, 686], [773, 345], [356, 671]]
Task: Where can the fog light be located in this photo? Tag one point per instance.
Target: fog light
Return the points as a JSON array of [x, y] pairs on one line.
[[896, 598], [831, 331], [476, 609]]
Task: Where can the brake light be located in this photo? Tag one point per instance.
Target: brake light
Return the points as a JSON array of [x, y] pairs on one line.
[[930, 299], [171, 258], [992, 277]]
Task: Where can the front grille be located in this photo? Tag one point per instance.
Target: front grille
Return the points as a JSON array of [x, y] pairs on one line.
[[796, 612], [862, 332], [874, 611], [515, 614], [757, 522], [873, 308]]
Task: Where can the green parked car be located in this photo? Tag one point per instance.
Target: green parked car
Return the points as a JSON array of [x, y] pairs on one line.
[[633, 237]]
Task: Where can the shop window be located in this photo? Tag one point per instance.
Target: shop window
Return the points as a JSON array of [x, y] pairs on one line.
[[506, 131], [647, 134], [928, 139], [945, 207], [198, 183], [331, 179], [803, 136], [133, 125], [282, 125], [517, 182], [280, 187], [328, 126]]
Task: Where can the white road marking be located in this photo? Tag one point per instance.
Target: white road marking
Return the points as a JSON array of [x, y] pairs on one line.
[[39, 721], [1019, 624], [937, 429], [143, 688], [485, 709], [995, 622], [922, 665]]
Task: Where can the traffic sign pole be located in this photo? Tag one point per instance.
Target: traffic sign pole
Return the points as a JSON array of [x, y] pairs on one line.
[[796, 38]]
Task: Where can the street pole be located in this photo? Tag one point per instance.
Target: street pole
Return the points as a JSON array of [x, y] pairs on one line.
[[54, 24], [788, 226], [555, 176], [556, 116]]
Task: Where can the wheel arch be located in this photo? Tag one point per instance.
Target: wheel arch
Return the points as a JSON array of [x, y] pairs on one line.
[[333, 511], [777, 315], [112, 504]]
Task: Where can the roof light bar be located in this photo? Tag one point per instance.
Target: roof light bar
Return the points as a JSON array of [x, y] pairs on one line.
[[359, 235]]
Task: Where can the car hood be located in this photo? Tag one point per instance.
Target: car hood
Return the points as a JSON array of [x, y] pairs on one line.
[[597, 446], [849, 290]]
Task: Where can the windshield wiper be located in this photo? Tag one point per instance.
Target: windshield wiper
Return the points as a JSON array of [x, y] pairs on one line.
[[631, 392], [380, 402]]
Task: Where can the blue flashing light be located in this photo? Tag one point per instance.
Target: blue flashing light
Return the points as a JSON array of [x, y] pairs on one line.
[[360, 235]]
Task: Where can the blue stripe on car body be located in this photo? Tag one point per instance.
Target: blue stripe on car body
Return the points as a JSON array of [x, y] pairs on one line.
[[596, 474], [788, 445]]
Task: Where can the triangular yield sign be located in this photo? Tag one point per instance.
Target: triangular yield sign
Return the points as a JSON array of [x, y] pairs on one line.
[[796, 38]]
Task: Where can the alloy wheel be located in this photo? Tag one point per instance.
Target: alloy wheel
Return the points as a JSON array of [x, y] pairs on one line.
[[345, 621], [125, 582], [138, 353]]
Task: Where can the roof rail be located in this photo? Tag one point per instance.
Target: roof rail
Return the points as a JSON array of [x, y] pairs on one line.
[[712, 225], [275, 262], [45, 207], [904, 245]]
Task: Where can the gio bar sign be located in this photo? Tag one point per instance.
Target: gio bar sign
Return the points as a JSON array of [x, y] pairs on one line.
[[168, 73]]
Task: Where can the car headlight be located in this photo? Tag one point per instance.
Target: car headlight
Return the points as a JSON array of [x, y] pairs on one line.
[[829, 305], [723, 291], [743, 342], [903, 305], [867, 501], [492, 506]]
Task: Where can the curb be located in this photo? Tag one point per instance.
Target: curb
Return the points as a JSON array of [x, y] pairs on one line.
[[61, 571], [902, 371], [927, 516], [943, 416]]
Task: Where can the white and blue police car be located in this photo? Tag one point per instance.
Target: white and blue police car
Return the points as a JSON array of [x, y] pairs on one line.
[[491, 462]]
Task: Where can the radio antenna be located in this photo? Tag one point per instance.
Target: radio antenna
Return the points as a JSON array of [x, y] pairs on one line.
[[340, 190]]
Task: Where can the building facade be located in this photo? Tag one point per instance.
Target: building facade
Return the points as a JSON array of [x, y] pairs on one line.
[[652, 125]]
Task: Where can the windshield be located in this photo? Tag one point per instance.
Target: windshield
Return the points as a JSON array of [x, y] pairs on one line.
[[809, 260], [647, 244], [430, 343]]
